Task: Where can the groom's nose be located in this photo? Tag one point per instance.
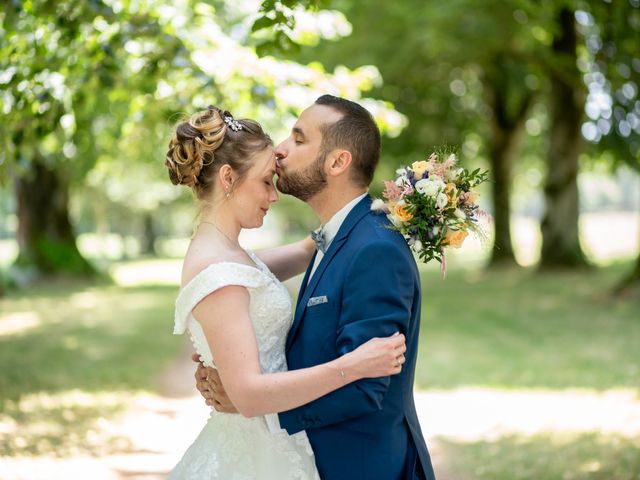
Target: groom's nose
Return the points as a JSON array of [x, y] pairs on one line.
[[281, 152]]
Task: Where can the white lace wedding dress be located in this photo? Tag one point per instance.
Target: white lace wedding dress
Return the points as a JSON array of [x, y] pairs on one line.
[[230, 446]]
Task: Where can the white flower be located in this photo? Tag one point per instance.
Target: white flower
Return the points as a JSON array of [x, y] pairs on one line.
[[442, 200], [436, 230], [417, 246], [430, 187], [453, 175], [401, 171], [420, 185], [459, 214], [402, 181], [452, 158], [378, 205]]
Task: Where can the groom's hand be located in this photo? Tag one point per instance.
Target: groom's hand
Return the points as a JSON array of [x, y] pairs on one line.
[[210, 387]]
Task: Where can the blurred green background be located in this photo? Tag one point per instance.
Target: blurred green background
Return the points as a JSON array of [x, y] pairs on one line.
[[529, 363]]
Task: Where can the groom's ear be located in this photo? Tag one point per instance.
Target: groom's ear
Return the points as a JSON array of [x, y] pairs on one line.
[[339, 162]]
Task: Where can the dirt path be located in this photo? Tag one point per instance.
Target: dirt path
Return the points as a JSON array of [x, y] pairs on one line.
[[160, 427]]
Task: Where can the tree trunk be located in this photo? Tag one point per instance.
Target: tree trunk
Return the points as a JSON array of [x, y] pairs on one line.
[[631, 282], [149, 235], [507, 129], [560, 238], [45, 237]]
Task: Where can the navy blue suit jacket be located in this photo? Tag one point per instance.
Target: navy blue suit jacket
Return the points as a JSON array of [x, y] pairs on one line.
[[368, 429]]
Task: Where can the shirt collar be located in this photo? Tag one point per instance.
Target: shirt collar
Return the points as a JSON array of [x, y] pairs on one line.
[[330, 229]]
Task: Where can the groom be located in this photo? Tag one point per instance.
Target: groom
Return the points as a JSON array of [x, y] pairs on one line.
[[362, 283]]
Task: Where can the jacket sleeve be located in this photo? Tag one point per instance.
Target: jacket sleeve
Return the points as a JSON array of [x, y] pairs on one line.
[[377, 300]]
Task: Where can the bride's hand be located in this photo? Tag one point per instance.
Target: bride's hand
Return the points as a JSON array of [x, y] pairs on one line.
[[379, 357]]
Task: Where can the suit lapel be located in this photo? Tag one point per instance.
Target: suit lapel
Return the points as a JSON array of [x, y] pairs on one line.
[[305, 280], [308, 286]]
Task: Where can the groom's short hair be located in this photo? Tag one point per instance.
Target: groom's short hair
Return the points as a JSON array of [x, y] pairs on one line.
[[356, 132]]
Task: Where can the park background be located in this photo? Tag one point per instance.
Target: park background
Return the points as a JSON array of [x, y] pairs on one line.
[[529, 363]]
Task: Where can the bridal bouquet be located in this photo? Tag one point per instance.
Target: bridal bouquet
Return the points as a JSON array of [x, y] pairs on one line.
[[433, 204]]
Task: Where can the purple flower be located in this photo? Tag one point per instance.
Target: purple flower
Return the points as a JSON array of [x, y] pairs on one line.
[[411, 177]]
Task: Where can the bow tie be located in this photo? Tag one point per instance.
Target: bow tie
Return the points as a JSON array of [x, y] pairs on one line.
[[319, 238]]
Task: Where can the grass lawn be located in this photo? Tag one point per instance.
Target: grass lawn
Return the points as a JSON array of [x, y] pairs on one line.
[[71, 354], [521, 330], [546, 457], [518, 329]]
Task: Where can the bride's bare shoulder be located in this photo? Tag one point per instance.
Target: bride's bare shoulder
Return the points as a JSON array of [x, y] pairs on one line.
[[197, 260]]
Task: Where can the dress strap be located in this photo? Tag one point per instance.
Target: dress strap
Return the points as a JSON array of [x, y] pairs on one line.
[[212, 278]]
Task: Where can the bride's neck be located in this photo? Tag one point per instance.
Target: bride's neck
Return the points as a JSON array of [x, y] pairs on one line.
[[223, 222]]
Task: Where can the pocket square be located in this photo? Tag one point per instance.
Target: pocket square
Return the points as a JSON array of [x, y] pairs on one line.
[[317, 300]]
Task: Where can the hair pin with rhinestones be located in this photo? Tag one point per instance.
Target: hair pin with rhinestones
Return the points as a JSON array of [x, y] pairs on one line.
[[233, 124]]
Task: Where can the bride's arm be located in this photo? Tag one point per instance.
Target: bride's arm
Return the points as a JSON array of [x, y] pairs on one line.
[[224, 316], [289, 260]]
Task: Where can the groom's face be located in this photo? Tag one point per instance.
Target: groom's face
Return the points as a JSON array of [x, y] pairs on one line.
[[301, 161]]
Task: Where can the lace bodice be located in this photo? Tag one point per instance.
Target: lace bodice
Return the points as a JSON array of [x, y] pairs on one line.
[[269, 308], [232, 447]]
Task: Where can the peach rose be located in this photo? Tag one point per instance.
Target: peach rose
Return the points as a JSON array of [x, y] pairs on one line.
[[454, 238], [419, 168], [472, 197]]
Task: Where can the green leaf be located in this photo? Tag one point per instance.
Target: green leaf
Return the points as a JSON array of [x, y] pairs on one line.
[[285, 44], [268, 6], [263, 22]]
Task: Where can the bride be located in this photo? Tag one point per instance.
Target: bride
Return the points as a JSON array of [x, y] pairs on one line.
[[238, 312]]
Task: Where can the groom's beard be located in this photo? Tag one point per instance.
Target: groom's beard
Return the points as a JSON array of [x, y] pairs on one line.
[[306, 183]]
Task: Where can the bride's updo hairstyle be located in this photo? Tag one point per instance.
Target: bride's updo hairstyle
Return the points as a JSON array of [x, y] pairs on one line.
[[208, 140]]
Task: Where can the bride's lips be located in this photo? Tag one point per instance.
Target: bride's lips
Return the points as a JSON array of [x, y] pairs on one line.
[[264, 210]]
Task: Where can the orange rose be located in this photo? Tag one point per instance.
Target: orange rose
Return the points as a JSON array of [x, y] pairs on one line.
[[454, 238], [451, 190], [400, 211]]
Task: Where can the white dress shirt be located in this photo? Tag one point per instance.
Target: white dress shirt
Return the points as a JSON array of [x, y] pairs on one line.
[[330, 229]]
